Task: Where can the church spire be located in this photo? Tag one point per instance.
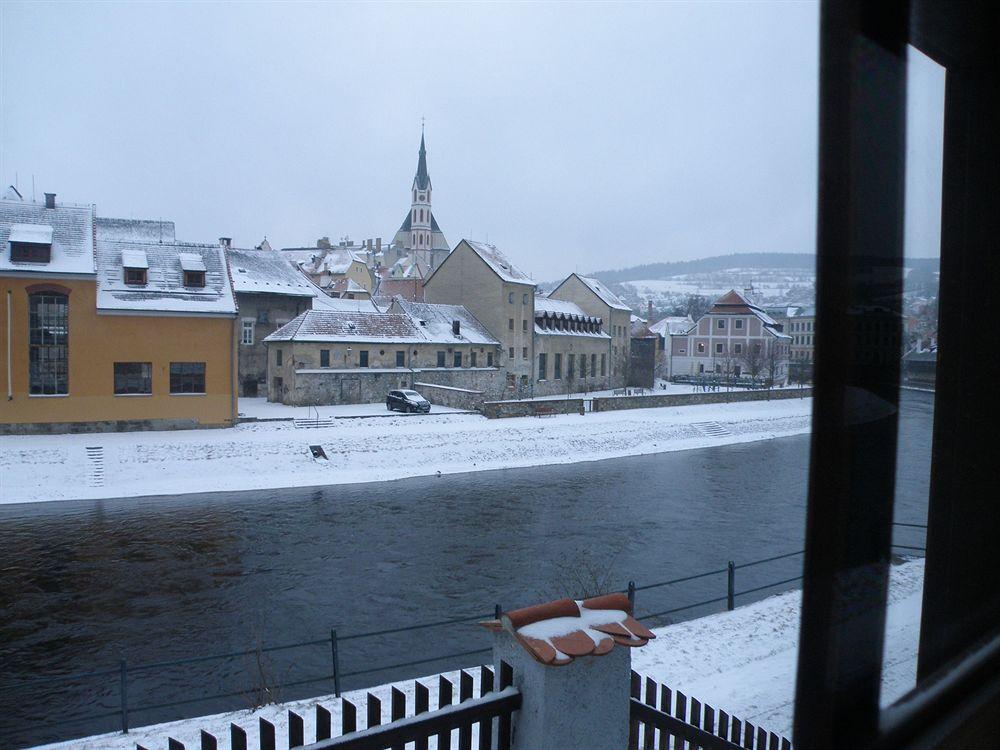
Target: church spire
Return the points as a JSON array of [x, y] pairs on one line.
[[422, 180]]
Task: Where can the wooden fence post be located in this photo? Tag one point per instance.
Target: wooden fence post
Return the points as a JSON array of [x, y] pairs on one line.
[[123, 695], [731, 587], [267, 741], [237, 737], [296, 730]]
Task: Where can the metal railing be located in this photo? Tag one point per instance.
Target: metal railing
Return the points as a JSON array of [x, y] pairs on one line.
[[124, 671]]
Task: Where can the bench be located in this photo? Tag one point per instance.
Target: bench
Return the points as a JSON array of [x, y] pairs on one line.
[[545, 411]]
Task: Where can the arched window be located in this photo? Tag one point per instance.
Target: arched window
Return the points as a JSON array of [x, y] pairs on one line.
[[421, 215], [48, 344], [414, 214]]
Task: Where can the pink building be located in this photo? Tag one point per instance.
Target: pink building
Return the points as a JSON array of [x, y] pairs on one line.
[[735, 338]]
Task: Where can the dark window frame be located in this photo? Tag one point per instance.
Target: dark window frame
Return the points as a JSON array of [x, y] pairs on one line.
[[194, 279], [48, 343], [188, 378], [30, 252], [133, 378]]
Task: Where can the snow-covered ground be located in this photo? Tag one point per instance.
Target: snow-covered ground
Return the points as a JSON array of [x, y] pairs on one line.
[[742, 662], [662, 388], [261, 408], [275, 454]]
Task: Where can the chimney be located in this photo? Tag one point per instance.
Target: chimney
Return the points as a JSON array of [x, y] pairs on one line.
[[649, 311], [226, 242], [50, 200], [378, 244], [456, 327]]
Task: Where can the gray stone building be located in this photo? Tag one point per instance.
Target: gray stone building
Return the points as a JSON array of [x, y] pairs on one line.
[[328, 356], [596, 300], [269, 293], [571, 349], [479, 277]]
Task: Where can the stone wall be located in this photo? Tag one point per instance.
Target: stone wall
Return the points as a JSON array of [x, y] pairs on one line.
[[614, 403], [121, 425], [455, 398], [506, 409], [366, 386]]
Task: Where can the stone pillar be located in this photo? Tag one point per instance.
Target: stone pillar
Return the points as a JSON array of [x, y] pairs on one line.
[[583, 704]]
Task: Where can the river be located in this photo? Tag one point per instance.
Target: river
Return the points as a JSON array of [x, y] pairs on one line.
[[88, 583]]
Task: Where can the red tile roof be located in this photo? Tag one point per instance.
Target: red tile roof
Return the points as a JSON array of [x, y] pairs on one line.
[[557, 632]]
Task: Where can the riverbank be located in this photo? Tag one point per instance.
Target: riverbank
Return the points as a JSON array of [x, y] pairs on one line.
[[742, 662], [41, 468]]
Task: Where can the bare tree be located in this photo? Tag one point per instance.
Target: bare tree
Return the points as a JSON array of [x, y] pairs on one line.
[[775, 355], [728, 362], [753, 360], [696, 306]]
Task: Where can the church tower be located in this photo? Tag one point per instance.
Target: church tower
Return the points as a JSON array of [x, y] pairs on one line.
[[420, 208], [419, 237]]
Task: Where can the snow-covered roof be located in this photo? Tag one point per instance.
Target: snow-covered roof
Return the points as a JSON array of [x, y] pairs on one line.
[[134, 258], [557, 632], [498, 262], [164, 290], [333, 260], [143, 230], [344, 286], [437, 322], [342, 326], [263, 271], [672, 325], [36, 234], [607, 296], [557, 307], [68, 227]]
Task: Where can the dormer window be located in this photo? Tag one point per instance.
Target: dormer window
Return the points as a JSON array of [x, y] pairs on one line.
[[135, 266], [193, 266], [30, 243], [194, 278]]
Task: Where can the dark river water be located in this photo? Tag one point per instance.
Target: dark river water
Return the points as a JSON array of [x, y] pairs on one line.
[[86, 584]]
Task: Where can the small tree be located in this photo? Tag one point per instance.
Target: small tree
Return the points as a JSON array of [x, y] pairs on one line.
[[774, 357], [696, 306]]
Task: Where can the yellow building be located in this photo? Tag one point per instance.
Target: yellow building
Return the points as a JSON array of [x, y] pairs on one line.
[[110, 324]]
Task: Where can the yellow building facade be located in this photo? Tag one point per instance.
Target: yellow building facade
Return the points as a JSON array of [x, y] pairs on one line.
[[79, 354]]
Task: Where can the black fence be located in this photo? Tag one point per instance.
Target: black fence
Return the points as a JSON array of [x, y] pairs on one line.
[[113, 709]]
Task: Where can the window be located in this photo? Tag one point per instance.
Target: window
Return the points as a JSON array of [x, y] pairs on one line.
[[440, 362], [30, 252], [187, 377], [524, 299], [720, 324], [701, 348], [324, 357], [557, 367], [524, 352], [363, 358], [604, 365], [583, 365], [135, 276], [570, 359], [542, 366], [510, 324], [718, 348], [458, 359], [48, 344], [133, 378], [400, 359], [738, 349], [739, 324], [472, 359], [194, 278], [489, 359], [278, 357], [510, 354], [593, 365], [524, 324], [510, 297], [248, 329]]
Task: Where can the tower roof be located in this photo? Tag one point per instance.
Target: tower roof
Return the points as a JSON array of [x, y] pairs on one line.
[[422, 180]]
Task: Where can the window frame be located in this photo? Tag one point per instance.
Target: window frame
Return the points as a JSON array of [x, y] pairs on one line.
[[145, 375], [186, 374], [48, 344]]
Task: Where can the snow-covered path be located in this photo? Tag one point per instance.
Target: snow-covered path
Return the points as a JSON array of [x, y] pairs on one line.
[[274, 455]]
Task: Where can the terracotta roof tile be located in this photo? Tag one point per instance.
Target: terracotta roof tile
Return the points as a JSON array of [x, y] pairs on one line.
[[557, 632]]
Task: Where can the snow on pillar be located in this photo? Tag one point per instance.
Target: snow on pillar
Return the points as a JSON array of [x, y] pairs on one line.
[[572, 671]]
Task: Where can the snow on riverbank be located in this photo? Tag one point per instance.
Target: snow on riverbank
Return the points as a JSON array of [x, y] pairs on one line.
[[272, 455], [742, 662]]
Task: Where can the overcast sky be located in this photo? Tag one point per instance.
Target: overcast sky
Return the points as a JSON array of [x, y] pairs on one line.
[[574, 137]]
